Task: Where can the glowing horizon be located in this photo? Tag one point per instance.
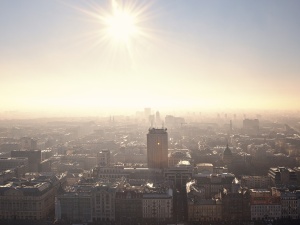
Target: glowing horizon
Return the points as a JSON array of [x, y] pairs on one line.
[[124, 55]]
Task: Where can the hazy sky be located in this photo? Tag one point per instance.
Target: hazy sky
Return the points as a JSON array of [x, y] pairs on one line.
[[59, 55]]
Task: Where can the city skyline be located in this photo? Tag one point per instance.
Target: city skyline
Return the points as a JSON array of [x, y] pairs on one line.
[[86, 56]]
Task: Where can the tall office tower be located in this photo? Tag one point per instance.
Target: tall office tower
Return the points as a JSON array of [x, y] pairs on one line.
[[157, 148], [157, 119], [147, 113]]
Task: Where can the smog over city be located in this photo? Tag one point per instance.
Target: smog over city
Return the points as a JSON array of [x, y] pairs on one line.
[[136, 112]]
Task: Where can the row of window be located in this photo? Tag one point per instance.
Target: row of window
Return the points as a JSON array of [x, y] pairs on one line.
[[265, 207]]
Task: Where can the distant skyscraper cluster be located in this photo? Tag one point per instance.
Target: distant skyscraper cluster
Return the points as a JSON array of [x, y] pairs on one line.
[[151, 118]]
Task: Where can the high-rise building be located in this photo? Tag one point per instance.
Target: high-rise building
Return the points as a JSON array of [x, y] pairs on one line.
[[174, 121], [157, 118], [147, 113], [157, 148]]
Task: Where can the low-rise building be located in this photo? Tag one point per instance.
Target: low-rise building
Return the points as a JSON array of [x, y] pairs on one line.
[[204, 168], [25, 200], [13, 162], [103, 200], [128, 172], [220, 170], [298, 202], [158, 204], [34, 158], [110, 172], [120, 201], [179, 174], [282, 176], [289, 205], [103, 158], [297, 171], [253, 182], [213, 183], [199, 208], [175, 156], [6, 175], [129, 205], [46, 154], [74, 205], [264, 205], [204, 210], [236, 206]]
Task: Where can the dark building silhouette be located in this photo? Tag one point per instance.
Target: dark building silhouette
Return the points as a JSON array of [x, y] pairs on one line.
[[130, 206], [236, 206], [157, 148], [34, 158], [282, 176], [227, 156]]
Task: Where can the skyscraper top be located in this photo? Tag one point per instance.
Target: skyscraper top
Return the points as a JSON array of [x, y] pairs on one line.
[[157, 130], [157, 148]]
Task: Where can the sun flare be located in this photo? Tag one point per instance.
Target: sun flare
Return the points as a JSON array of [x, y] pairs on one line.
[[121, 30], [121, 26]]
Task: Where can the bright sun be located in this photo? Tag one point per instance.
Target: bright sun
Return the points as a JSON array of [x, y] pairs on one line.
[[120, 27], [121, 24]]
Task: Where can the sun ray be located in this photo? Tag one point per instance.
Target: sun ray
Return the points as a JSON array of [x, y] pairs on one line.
[[121, 30]]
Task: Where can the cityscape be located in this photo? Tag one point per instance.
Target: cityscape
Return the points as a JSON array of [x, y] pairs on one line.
[[135, 112], [197, 169]]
